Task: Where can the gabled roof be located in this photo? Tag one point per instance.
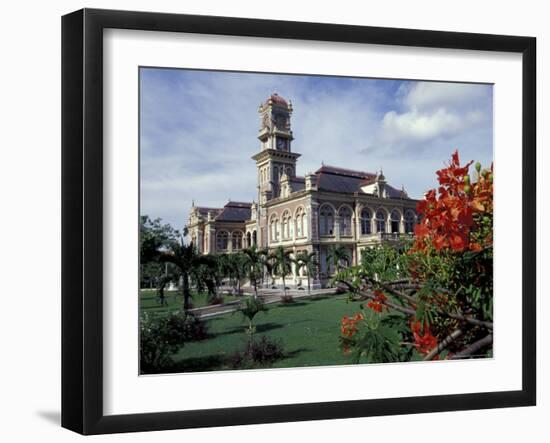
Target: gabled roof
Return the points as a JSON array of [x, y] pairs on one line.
[[395, 193], [334, 179], [298, 183], [235, 212], [343, 171], [203, 210]]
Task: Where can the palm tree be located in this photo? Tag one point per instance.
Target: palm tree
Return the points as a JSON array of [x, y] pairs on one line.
[[336, 255], [282, 264], [221, 269], [251, 307], [186, 258], [308, 261], [255, 264], [236, 266], [267, 265], [205, 276]]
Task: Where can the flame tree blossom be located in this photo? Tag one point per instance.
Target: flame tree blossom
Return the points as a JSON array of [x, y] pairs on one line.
[[435, 293]]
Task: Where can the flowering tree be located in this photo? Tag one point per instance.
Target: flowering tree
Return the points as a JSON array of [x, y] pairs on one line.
[[432, 298]]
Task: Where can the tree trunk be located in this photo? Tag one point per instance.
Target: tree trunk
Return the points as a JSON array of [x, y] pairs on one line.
[[186, 292], [308, 284], [284, 284], [255, 285]]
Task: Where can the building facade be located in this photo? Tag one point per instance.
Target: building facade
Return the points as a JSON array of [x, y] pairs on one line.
[[331, 206]]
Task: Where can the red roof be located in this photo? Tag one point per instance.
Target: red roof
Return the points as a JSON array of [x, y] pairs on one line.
[[276, 98]]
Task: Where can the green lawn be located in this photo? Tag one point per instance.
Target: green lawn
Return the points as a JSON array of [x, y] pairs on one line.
[[148, 301], [308, 328]]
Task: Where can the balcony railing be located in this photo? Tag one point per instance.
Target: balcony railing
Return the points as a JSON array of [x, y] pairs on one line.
[[393, 236]]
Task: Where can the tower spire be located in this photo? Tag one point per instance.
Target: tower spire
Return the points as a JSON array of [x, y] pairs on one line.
[[275, 156]]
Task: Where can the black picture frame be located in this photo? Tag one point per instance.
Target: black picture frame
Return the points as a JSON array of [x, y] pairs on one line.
[[82, 218]]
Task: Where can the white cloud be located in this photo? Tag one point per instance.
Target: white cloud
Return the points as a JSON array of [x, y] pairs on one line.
[[416, 125], [429, 95], [430, 112]]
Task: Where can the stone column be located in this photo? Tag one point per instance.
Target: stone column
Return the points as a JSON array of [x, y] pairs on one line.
[[211, 240], [293, 267], [336, 227], [200, 242], [357, 224], [313, 221]]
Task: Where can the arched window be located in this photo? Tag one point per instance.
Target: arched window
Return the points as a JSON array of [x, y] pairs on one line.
[[409, 222], [221, 241], [380, 221], [237, 240], [287, 225], [304, 224], [395, 218], [254, 238], [326, 220], [274, 229], [248, 240], [366, 222], [345, 220], [300, 222], [276, 174]]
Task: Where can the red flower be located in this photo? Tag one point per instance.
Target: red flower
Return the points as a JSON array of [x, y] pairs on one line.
[[349, 325], [451, 216], [377, 305], [421, 231], [423, 339]]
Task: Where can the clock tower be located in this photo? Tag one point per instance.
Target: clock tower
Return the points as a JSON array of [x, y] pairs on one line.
[[275, 157]]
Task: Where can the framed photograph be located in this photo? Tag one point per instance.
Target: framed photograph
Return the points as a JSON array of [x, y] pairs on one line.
[[269, 221]]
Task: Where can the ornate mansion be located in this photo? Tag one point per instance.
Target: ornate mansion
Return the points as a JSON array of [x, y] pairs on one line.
[[331, 206]]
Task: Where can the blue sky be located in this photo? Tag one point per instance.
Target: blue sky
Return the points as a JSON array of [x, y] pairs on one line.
[[199, 129]]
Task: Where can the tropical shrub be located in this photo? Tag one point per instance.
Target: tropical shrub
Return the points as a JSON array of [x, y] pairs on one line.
[[195, 329], [258, 352], [436, 294], [163, 335], [249, 309], [287, 299], [160, 337]]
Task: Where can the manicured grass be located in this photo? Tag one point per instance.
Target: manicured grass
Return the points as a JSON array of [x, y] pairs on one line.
[[308, 329], [148, 301]]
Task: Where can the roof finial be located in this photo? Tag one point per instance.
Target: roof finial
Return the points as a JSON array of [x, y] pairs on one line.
[[380, 176], [193, 203]]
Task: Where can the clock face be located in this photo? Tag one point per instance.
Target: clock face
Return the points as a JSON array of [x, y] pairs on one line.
[[281, 143]]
